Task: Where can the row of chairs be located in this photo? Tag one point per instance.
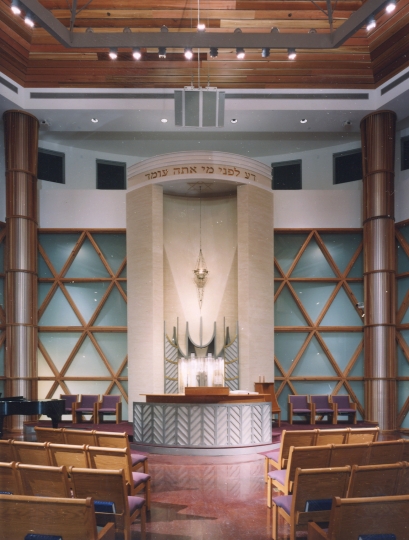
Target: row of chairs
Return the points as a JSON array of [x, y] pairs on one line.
[[315, 489], [315, 437], [363, 518], [107, 487], [82, 456], [39, 518], [330, 406], [335, 455], [94, 404]]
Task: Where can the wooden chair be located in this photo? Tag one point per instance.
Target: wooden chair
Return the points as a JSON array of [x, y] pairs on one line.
[[117, 458], [42, 481], [6, 450], [344, 407], [331, 436], [362, 435], [9, 479], [304, 457], [69, 455], [71, 519], [52, 435], [311, 488], [278, 458], [352, 518], [108, 405], [110, 486], [268, 388], [299, 406], [349, 454], [385, 452], [69, 400], [84, 406], [33, 453], [111, 439], [374, 480], [79, 436], [323, 407]]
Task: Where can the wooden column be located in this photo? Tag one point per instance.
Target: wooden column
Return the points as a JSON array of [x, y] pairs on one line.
[[21, 149], [378, 155]]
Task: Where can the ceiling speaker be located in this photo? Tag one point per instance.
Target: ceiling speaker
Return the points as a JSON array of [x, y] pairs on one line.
[[199, 107]]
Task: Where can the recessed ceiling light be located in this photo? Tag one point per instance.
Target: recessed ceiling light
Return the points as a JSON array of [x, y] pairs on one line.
[[94, 120], [164, 120], [234, 120], [303, 121], [201, 27], [28, 20], [391, 6]]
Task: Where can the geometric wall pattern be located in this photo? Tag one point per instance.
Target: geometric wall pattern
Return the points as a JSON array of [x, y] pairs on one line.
[[82, 313], [202, 425], [402, 322], [2, 310], [318, 279]]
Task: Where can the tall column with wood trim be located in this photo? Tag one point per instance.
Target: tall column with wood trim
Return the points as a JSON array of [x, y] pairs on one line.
[[378, 156], [21, 150]]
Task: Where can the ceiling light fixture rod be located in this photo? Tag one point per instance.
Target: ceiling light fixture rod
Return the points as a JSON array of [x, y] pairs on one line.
[[203, 40], [73, 15]]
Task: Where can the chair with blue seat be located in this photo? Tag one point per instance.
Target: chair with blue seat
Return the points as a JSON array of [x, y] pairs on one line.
[[323, 407], [84, 406], [311, 499], [345, 408], [300, 406]]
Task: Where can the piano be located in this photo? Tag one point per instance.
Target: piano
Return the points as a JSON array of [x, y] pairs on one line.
[[53, 408]]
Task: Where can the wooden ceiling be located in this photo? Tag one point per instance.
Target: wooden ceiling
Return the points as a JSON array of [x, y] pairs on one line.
[[33, 58]]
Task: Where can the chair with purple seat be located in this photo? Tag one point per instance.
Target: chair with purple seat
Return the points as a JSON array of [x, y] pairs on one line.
[[299, 406], [345, 407], [109, 405], [84, 406], [311, 499], [323, 407], [69, 400]]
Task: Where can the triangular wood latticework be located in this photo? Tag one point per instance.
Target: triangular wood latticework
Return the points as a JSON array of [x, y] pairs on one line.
[[97, 312], [318, 303]]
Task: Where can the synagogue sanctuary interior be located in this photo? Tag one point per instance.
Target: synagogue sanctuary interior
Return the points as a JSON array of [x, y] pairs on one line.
[[204, 212]]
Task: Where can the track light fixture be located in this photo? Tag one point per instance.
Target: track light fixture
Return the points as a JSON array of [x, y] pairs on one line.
[[113, 54], [15, 8], [136, 53], [214, 52], [265, 52], [188, 53], [291, 54], [162, 52], [371, 24], [391, 6], [201, 26], [240, 53], [28, 20]]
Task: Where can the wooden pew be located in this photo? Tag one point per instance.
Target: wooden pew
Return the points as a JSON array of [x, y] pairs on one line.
[[71, 519], [40, 481], [362, 435], [79, 436], [385, 452], [374, 480], [110, 439], [119, 458], [110, 486], [278, 458], [403, 483], [349, 454], [52, 435], [304, 457], [352, 518], [33, 453], [6, 450], [331, 436], [69, 455], [310, 486], [9, 479]]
